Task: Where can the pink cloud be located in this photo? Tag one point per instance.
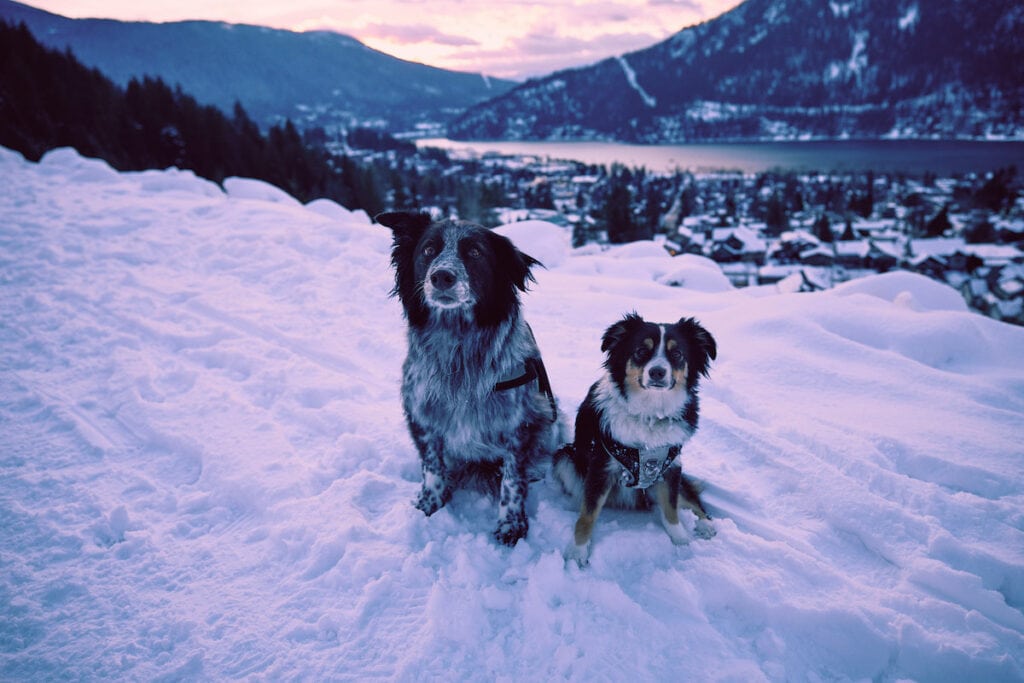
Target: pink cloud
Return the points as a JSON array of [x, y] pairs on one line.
[[414, 33]]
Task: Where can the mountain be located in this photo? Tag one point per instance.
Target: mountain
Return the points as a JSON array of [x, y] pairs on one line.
[[789, 69], [318, 77]]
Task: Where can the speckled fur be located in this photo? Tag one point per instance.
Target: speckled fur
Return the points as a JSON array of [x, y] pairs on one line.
[[465, 334]]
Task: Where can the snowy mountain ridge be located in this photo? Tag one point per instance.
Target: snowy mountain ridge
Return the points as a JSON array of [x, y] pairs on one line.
[[788, 69], [313, 78], [205, 474]]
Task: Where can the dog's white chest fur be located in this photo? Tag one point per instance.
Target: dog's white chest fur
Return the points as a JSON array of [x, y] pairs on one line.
[[646, 420]]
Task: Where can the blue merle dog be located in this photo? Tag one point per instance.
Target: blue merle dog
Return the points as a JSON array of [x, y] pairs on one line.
[[476, 397]]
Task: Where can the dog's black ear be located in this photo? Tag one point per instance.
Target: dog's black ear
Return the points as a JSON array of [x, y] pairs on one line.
[[515, 263], [617, 332], [407, 228], [695, 332], [403, 220]]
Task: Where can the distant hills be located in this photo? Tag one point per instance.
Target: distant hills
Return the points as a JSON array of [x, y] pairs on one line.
[[785, 69], [318, 78], [768, 69]]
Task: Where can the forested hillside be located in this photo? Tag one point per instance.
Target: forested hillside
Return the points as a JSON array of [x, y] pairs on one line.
[[48, 99]]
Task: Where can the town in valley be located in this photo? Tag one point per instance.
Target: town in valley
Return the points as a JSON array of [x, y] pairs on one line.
[[797, 231]]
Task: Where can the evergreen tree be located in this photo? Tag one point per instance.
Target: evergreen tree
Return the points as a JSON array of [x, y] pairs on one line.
[[823, 229], [652, 208], [939, 224], [848, 234], [688, 200], [980, 232], [776, 218], [996, 194], [617, 213]]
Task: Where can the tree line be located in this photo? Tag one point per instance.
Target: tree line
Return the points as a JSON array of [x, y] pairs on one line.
[[48, 99]]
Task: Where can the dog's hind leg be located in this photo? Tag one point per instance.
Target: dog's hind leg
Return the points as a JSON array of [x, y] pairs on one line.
[[690, 497]]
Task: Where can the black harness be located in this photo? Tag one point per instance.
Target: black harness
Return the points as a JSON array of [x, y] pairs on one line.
[[533, 369], [641, 467]]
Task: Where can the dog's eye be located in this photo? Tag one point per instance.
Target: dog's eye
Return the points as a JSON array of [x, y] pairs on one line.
[[474, 252], [675, 354], [429, 250], [640, 355]]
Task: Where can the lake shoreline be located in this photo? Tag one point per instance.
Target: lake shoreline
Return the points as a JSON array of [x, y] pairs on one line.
[[910, 156]]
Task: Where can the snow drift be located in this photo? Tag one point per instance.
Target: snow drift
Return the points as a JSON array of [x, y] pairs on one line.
[[204, 471]]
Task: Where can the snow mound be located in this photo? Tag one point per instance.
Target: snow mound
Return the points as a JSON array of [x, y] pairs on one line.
[[640, 249], [544, 241], [697, 273], [177, 180], [249, 188], [337, 212], [911, 290], [205, 472], [65, 162]]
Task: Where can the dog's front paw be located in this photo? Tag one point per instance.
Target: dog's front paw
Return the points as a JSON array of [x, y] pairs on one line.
[[431, 500], [676, 532], [704, 529], [580, 554], [511, 529]]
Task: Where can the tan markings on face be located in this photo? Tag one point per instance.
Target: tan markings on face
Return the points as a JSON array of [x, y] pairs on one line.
[[671, 344], [649, 343], [634, 374], [679, 375]]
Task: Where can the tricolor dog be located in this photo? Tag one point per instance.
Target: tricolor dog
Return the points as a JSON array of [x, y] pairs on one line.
[[476, 397], [632, 425]]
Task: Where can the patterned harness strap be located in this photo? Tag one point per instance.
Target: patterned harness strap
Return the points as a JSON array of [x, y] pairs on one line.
[[641, 467]]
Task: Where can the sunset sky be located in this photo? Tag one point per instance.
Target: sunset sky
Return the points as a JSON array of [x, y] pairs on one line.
[[510, 39]]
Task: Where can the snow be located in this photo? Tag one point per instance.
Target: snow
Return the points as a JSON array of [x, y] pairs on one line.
[[630, 74], [549, 244], [697, 273], [857, 63], [247, 188], [205, 475], [908, 21], [923, 293], [840, 10]]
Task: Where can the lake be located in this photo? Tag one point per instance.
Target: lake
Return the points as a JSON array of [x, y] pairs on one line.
[[943, 157]]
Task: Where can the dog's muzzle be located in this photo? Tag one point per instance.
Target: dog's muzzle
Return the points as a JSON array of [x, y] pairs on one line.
[[445, 287], [658, 377]]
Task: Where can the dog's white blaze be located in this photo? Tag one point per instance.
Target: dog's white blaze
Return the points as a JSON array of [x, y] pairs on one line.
[[659, 360], [646, 419]]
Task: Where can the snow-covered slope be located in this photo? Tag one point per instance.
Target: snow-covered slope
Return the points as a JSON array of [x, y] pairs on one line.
[[787, 69], [204, 473]]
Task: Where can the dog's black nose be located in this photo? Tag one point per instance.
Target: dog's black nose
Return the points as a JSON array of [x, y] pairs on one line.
[[442, 279], [656, 374]]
